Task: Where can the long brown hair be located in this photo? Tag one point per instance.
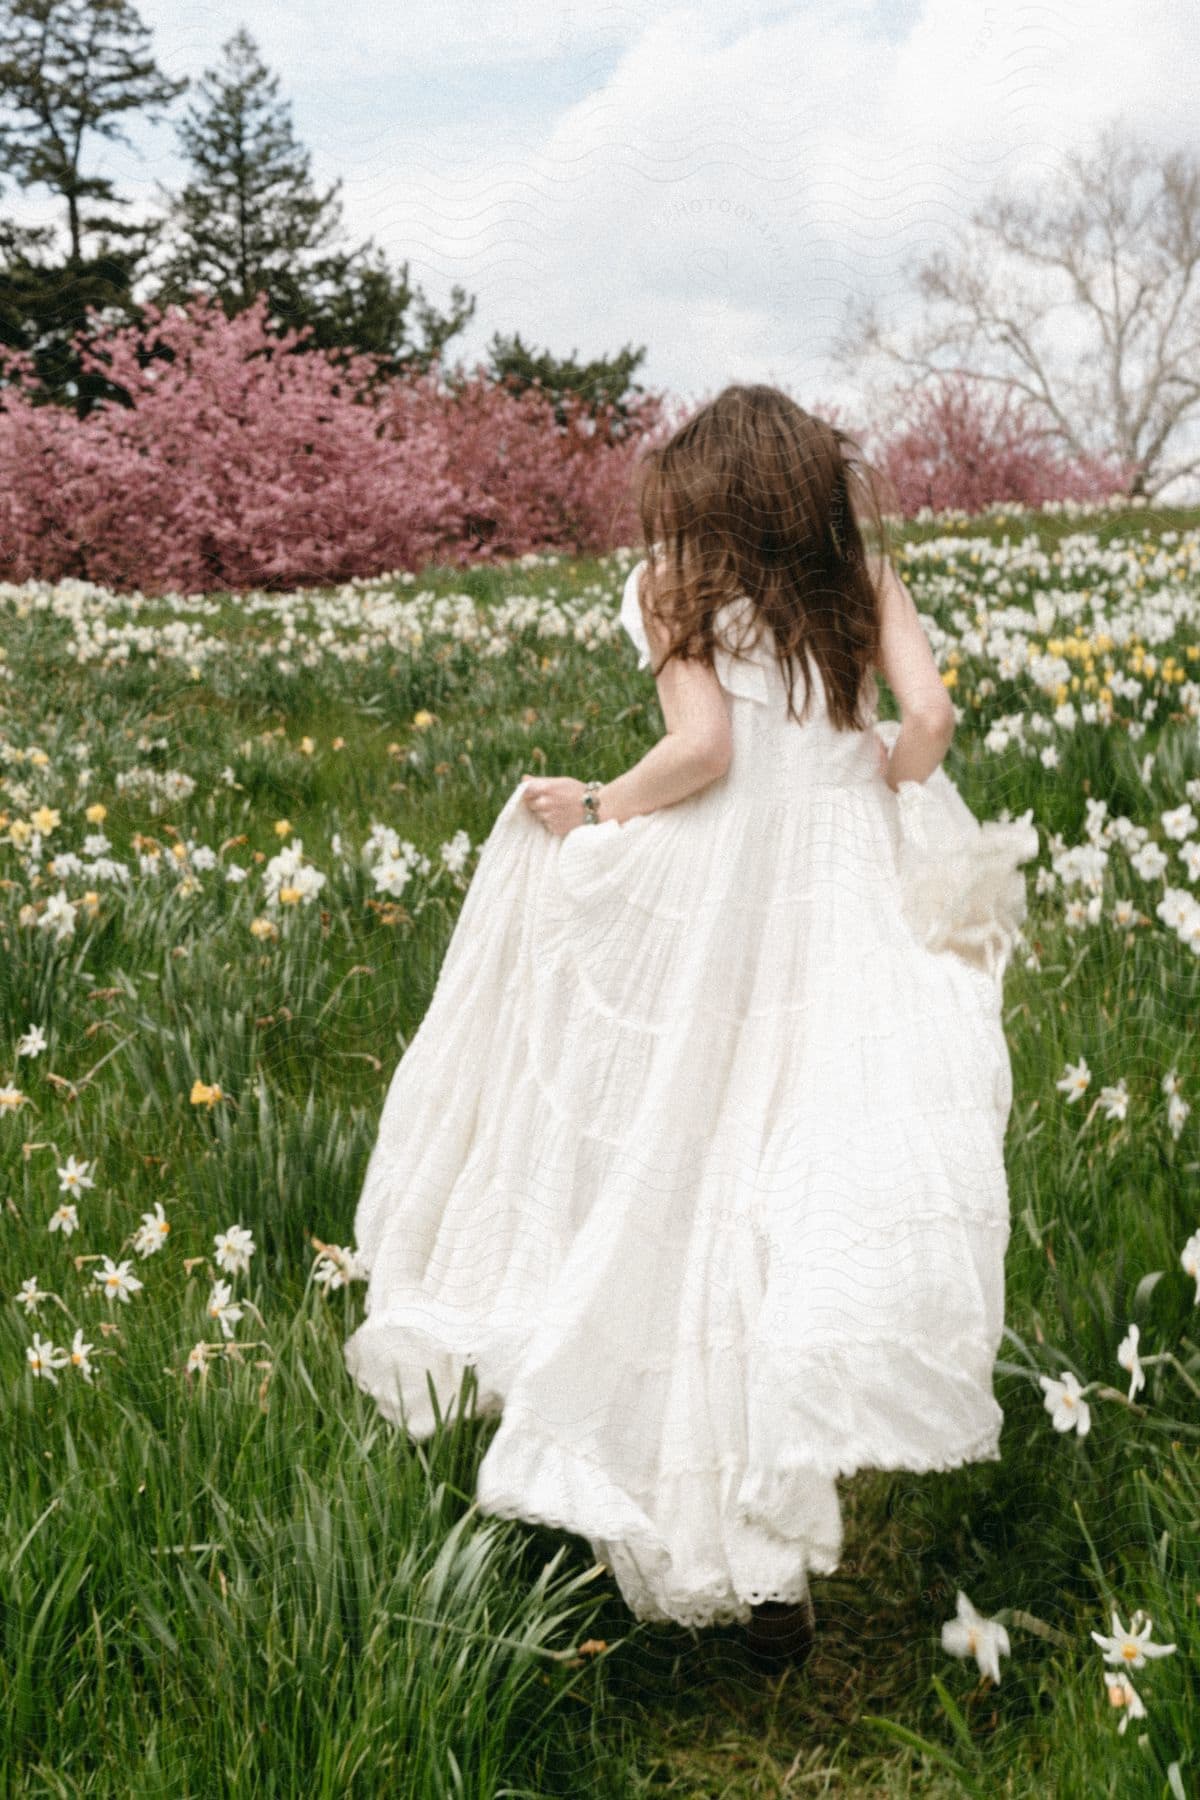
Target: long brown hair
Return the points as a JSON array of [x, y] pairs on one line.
[[753, 495]]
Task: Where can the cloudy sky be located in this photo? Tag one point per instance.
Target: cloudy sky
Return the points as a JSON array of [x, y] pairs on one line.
[[714, 181]]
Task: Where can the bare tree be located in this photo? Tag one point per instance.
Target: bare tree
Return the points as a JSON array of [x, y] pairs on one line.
[[1084, 297]]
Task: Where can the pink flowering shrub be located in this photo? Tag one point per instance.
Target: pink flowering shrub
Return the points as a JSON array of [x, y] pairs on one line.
[[959, 447], [244, 463], [517, 480]]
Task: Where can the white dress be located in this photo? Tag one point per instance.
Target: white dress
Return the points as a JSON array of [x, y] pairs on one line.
[[698, 1158]]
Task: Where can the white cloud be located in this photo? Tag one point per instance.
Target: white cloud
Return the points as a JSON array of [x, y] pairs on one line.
[[712, 180], [721, 192]]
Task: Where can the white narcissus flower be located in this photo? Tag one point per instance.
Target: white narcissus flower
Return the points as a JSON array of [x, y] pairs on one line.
[[235, 1247], [1075, 915], [455, 853], [1127, 1356], [1068, 1410], [1131, 1649], [1074, 1080], [1189, 1258], [116, 1280], [30, 1295], [59, 916], [78, 1355], [969, 1634], [1179, 823], [222, 1308], [153, 1231], [33, 1042], [65, 1219], [1121, 1692], [336, 1265], [1115, 1100], [1177, 908], [74, 1176], [45, 1358], [1149, 861]]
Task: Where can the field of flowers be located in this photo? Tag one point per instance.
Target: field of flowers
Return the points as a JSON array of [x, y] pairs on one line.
[[234, 835]]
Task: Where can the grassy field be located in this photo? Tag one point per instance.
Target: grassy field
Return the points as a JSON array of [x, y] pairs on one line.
[[234, 835]]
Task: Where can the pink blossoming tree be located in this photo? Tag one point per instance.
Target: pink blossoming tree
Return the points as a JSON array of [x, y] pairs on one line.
[[246, 460]]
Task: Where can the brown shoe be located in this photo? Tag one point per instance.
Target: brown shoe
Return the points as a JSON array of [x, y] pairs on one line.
[[782, 1631]]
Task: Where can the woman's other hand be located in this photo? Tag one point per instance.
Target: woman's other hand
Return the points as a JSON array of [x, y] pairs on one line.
[[556, 801]]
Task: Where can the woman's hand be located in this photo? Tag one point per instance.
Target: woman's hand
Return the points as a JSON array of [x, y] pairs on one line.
[[556, 801]]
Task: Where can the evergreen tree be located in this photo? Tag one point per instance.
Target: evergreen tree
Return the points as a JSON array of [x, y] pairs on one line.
[[603, 382], [250, 214], [250, 220], [70, 68]]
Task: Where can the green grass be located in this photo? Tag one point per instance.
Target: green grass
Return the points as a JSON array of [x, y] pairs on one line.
[[244, 1581]]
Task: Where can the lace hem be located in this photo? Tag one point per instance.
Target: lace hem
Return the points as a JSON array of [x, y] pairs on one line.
[[388, 1356], [770, 1526]]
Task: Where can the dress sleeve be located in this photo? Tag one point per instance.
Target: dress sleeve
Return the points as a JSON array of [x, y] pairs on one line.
[[741, 675], [631, 615]]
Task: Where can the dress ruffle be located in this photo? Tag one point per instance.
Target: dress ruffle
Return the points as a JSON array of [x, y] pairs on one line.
[[961, 883]]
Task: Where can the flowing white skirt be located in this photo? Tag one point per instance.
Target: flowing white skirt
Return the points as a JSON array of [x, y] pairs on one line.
[[698, 1159]]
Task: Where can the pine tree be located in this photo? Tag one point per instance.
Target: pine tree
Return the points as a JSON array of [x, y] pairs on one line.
[[250, 220], [70, 68], [250, 216]]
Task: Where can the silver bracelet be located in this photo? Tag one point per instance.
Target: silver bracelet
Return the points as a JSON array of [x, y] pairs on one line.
[[591, 790]]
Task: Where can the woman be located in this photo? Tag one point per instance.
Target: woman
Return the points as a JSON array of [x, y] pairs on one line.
[[697, 1158]]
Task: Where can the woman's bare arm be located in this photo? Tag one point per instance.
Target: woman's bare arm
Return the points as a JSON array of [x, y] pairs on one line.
[[906, 661], [696, 748]]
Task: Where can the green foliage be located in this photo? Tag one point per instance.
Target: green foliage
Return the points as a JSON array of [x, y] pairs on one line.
[[70, 70], [605, 385]]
